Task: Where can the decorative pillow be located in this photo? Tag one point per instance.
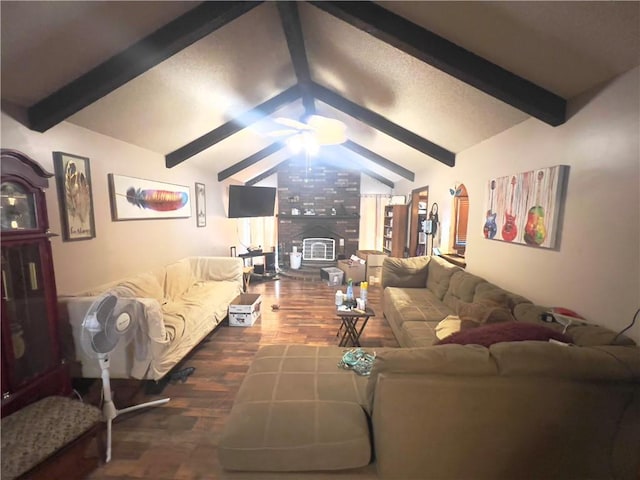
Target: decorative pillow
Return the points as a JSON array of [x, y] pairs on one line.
[[453, 324], [487, 335], [448, 326], [405, 272], [484, 312]]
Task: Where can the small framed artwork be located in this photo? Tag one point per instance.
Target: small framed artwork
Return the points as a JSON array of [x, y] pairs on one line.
[[73, 178], [201, 206], [138, 199]]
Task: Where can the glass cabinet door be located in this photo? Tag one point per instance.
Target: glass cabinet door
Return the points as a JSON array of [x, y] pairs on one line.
[[27, 343], [17, 208]]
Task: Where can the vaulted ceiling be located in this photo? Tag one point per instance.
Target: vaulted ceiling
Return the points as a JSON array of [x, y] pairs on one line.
[[414, 82]]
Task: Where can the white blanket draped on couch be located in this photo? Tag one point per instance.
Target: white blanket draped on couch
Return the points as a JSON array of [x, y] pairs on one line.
[[181, 304]]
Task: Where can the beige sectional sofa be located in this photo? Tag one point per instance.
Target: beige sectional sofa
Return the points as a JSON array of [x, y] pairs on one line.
[[420, 292], [181, 303], [518, 409]]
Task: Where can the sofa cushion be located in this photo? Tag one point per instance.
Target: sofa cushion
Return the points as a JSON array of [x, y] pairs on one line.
[[583, 334], [418, 334], [178, 279], [40, 429], [542, 359], [462, 287], [405, 272], [455, 360], [296, 410], [487, 335], [144, 285], [488, 292], [411, 304], [483, 313], [438, 276]]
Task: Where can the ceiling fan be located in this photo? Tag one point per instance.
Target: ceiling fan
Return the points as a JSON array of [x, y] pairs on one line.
[[314, 132]]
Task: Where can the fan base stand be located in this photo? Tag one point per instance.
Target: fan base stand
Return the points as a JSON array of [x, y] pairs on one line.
[[110, 412]]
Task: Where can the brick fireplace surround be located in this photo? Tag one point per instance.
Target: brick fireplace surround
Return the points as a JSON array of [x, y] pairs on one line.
[[321, 188]]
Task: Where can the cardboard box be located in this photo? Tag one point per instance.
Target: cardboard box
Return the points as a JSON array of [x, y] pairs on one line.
[[353, 270], [244, 310], [374, 274], [332, 275], [374, 258]]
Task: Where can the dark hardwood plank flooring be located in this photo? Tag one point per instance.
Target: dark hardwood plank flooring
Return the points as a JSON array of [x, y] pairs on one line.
[[178, 440]]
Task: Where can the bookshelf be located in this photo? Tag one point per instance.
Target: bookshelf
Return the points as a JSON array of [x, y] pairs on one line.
[[395, 230]]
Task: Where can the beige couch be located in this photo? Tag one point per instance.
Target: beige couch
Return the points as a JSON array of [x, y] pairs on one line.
[[181, 303], [421, 292], [525, 409]]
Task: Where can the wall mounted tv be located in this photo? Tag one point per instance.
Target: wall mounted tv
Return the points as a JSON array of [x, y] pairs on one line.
[[245, 201]]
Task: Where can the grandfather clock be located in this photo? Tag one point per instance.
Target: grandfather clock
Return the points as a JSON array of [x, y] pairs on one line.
[[32, 365]]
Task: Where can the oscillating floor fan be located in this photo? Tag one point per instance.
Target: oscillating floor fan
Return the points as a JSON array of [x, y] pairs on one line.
[[108, 322]]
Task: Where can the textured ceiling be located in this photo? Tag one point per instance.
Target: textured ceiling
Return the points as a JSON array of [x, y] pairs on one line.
[[564, 47]]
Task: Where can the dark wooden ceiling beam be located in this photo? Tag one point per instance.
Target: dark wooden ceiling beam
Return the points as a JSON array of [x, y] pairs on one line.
[[450, 58], [232, 126], [379, 178], [384, 125], [290, 19], [379, 160], [135, 60], [251, 160], [273, 170]]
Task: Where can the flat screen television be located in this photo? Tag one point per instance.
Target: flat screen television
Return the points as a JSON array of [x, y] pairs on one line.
[[245, 201]]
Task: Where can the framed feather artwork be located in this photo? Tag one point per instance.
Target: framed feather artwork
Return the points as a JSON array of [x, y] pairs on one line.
[[138, 199], [73, 179]]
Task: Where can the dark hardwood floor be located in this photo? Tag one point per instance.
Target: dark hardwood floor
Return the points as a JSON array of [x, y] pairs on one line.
[[178, 440]]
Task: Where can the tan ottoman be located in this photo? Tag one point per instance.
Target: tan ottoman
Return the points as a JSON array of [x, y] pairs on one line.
[[296, 410]]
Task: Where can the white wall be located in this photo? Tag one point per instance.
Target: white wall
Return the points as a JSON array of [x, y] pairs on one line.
[[596, 269], [129, 247]]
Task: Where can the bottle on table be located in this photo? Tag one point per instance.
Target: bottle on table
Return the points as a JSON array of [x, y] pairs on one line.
[[364, 291], [338, 298], [350, 299]]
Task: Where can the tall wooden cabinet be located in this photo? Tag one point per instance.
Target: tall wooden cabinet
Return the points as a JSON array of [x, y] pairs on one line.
[[32, 365], [395, 230]]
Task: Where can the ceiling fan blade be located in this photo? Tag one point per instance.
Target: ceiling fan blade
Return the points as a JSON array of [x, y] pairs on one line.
[[282, 133], [288, 122], [328, 131], [318, 121]]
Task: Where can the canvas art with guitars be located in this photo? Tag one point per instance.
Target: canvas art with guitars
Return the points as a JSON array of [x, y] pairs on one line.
[[525, 208]]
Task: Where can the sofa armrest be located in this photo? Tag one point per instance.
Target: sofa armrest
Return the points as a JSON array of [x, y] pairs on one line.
[[405, 272], [151, 320], [125, 359], [217, 269]]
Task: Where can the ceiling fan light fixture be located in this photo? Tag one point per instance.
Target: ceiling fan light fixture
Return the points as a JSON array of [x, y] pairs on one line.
[[328, 131], [311, 144], [310, 136], [303, 142], [295, 144]]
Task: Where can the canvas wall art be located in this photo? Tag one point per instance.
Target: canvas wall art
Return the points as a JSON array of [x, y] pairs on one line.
[[73, 177], [138, 199], [525, 208]]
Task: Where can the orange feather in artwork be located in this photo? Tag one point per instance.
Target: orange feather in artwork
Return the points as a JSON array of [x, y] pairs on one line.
[[158, 200]]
